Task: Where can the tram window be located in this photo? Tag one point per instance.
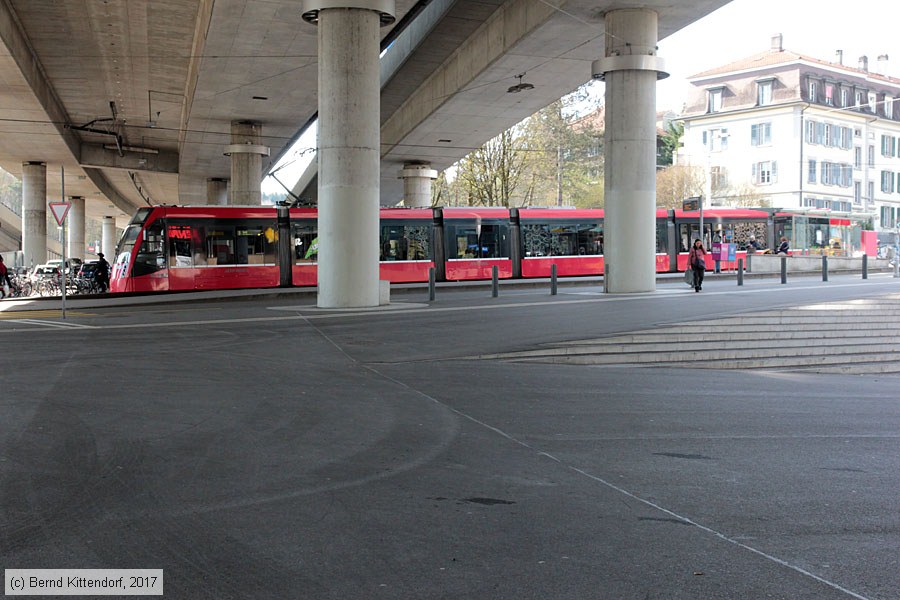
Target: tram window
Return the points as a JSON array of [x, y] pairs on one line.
[[180, 246], [405, 242], [306, 242], [151, 255], [220, 245], [465, 241], [590, 238], [662, 245], [536, 238], [255, 244]]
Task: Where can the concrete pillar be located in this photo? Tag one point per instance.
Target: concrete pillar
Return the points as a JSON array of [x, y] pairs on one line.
[[34, 213], [75, 231], [246, 163], [630, 69], [349, 139], [417, 178], [108, 243], [217, 191]]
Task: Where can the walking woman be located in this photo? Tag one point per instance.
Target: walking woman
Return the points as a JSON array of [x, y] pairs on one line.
[[697, 261]]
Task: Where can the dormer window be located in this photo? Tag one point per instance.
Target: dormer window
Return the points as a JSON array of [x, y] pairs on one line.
[[714, 100], [859, 100], [764, 92], [845, 97], [888, 107], [829, 94], [813, 90]]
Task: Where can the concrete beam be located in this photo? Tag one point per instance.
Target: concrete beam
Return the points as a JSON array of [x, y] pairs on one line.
[[106, 188], [12, 33], [101, 157]]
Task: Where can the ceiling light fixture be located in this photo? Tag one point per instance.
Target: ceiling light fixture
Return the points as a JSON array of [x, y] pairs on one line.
[[519, 87]]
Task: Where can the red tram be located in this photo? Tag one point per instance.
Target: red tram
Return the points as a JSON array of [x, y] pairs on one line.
[[175, 248]]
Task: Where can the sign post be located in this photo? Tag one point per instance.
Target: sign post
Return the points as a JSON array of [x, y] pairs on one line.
[[60, 210]]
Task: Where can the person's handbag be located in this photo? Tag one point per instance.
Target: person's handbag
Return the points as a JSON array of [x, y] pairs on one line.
[[689, 276], [700, 262]]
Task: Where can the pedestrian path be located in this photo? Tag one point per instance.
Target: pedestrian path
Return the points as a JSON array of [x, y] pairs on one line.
[[854, 337]]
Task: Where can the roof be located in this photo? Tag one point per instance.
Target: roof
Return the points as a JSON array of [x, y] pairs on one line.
[[779, 57]]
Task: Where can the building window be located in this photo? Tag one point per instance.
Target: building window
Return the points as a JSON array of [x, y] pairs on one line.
[[810, 132], [845, 97], [764, 173], [860, 100], [764, 93], [871, 155], [888, 107], [857, 192], [813, 90], [812, 171], [719, 177], [715, 140], [829, 94], [887, 182], [846, 138], [857, 157], [888, 146], [870, 188], [761, 134], [715, 100], [872, 101]]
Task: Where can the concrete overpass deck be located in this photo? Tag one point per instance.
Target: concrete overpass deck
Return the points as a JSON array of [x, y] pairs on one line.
[[265, 448]]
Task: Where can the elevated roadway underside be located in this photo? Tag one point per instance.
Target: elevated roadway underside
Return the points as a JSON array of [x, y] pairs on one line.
[[135, 98]]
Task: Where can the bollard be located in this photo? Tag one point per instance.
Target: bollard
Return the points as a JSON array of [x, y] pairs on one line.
[[431, 284], [495, 281], [824, 268], [740, 272], [784, 269], [865, 270], [553, 280]]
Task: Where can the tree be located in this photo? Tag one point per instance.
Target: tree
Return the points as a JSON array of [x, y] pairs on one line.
[[670, 142], [489, 175], [676, 183]]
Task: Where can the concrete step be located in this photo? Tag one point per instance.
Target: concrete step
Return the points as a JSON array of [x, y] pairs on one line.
[[810, 335]]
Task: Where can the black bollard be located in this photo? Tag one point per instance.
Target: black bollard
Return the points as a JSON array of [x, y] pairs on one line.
[[553, 280], [495, 281], [740, 273], [431, 284], [784, 269], [824, 268], [865, 273]]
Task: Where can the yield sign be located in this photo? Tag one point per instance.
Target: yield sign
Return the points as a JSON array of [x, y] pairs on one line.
[[60, 210]]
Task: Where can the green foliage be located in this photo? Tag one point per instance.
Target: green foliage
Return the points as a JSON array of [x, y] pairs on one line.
[[670, 142], [547, 160]]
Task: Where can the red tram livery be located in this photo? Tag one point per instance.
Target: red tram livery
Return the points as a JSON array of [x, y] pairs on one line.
[[175, 248]]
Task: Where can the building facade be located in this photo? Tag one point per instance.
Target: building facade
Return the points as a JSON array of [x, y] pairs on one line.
[[797, 132]]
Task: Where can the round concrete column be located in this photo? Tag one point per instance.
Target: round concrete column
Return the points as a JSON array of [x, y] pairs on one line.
[[108, 243], [246, 163], [417, 178], [75, 231], [217, 191], [349, 139], [630, 69], [34, 213]]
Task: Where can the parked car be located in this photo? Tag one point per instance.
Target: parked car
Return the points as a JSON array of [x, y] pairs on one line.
[[88, 269], [72, 264]]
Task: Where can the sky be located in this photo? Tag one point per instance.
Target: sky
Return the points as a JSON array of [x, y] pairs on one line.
[[743, 28]]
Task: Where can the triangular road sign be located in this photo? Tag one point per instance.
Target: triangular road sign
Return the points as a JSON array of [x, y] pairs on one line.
[[60, 210]]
